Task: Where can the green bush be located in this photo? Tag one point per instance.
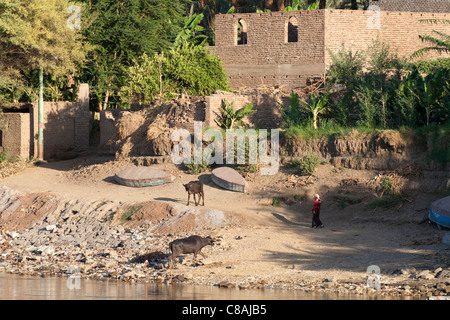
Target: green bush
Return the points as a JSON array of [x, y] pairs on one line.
[[185, 69], [430, 66], [127, 214], [376, 89], [197, 168], [309, 163]]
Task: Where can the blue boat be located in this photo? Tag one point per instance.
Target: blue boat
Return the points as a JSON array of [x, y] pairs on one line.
[[440, 212]]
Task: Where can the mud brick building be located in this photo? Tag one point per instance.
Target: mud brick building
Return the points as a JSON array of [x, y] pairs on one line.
[[441, 6], [66, 127], [289, 49]]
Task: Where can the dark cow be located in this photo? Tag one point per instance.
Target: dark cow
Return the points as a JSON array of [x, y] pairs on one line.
[[195, 187], [192, 244]]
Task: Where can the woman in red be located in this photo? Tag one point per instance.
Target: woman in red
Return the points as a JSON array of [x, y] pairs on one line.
[[316, 223]]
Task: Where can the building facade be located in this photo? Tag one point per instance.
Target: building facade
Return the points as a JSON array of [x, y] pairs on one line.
[[289, 48], [435, 6]]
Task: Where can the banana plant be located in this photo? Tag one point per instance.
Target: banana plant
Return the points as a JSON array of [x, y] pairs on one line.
[[191, 31], [232, 118], [316, 105], [428, 90], [298, 5], [440, 43]]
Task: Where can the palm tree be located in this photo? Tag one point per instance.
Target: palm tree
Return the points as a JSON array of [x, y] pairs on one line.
[[440, 43]]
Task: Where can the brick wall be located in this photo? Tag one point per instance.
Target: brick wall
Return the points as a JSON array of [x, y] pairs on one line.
[[268, 112], [441, 6], [401, 30], [269, 60]]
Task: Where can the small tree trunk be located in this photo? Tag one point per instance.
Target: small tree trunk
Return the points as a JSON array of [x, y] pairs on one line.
[[105, 102], [280, 5]]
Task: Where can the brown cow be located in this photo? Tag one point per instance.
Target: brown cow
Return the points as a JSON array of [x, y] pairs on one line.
[[195, 187], [192, 244]]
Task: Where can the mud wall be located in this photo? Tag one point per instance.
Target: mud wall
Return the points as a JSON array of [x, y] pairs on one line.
[[66, 127], [387, 150]]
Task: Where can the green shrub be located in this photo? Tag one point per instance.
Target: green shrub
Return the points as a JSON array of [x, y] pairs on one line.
[[185, 69], [390, 201], [276, 202], [388, 186], [197, 168], [309, 163], [127, 214], [430, 66], [5, 156]]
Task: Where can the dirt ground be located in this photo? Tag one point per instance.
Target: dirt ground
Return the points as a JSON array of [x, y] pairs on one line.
[[274, 240]]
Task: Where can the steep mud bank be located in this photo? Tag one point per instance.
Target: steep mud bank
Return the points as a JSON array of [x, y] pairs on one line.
[[386, 150]]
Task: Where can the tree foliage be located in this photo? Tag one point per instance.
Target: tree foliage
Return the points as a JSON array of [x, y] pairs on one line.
[[120, 33], [440, 42], [185, 69], [191, 31], [378, 90], [35, 34]]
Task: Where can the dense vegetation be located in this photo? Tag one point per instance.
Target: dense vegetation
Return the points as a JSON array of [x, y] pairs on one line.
[[142, 51], [374, 90], [103, 42]]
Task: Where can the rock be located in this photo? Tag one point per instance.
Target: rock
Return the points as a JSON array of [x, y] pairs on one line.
[[12, 234], [437, 270], [178, 277], [406, 287], [51, 227], [244, 286], [225, 284], [46, 250], [443, 274], [407, 271], [425, 275], [441, 286]]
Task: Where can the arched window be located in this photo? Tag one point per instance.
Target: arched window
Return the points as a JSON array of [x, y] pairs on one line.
[[291, 30], [242, 32]]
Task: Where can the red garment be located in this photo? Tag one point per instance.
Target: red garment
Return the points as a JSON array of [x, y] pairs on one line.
[[316, 208], [316, 211]]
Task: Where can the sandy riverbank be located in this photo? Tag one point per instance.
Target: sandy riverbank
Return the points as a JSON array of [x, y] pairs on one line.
[[68, 214]]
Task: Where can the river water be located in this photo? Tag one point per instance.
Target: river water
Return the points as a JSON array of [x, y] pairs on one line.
[[17, 287]]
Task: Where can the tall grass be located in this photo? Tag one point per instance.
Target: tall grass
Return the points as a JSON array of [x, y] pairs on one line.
[[327, 130]]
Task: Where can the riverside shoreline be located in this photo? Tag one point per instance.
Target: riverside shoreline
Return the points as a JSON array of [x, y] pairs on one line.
[[76, 225]]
